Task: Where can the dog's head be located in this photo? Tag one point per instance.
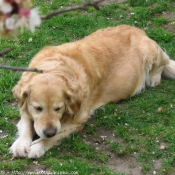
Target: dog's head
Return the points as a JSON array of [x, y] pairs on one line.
[[47, 99]]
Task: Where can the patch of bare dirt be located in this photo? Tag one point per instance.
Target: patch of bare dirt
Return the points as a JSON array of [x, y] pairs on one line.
[[157, 164], [171, 17], [36, 168], [170, 27], [125, 165], [107, 2], [13, 103], [121, 164]]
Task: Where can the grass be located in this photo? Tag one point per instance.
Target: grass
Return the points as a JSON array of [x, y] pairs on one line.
[[141, 125]]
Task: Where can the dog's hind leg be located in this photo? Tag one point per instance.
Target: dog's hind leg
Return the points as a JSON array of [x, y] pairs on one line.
[[154, 80]]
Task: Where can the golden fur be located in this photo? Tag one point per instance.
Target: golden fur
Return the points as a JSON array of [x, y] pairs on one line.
[[109, 65]]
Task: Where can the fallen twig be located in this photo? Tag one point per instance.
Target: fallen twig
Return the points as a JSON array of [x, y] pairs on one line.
[[62, 132], [5, 52], [20, 69], [94, 4]]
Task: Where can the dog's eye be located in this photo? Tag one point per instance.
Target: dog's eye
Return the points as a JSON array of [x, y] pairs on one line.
[[38, 108], [57, 109]]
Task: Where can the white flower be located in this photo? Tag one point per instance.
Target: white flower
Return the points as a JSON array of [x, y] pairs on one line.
[[10, 23], [30, 40], [103, 137], [5, 7], [154, 172], [34, 19]]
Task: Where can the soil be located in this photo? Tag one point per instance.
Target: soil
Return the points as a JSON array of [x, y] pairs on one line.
[[107, 2], [170, 26], [123, 164]]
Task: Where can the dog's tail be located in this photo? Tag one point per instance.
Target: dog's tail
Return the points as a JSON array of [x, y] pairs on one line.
[[169, 70]]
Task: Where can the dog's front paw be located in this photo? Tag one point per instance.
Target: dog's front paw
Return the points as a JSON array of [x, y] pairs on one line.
[[36, 150], [20, 148]]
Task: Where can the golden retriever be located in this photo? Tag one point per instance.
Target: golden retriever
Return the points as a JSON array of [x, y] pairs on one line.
[[109, 65]]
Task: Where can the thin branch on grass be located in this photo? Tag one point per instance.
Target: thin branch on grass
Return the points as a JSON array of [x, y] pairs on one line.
[[62, 132], [20, 69], [5, 52], [94, 4]]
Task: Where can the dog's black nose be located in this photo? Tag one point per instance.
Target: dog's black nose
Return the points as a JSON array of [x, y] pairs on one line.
[[50, 132]]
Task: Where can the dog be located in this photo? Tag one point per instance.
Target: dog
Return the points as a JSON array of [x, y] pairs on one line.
[[109, 65]]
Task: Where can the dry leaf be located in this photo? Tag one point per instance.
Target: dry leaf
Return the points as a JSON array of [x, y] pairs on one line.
[[160, 109], [163, 147]]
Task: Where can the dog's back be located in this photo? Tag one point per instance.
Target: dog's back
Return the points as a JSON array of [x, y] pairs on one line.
[[119, 61]]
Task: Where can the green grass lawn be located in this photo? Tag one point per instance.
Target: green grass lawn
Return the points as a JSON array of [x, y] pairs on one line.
[[139, 131]]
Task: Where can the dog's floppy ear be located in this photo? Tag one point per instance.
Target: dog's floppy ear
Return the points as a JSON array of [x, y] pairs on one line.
[[73, 102], [21, 90], [20, 93], [75, 88]]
